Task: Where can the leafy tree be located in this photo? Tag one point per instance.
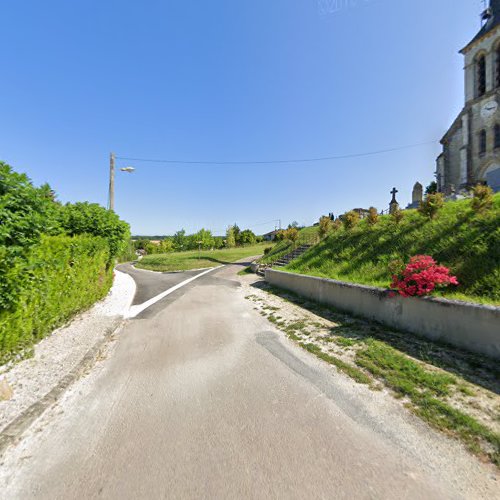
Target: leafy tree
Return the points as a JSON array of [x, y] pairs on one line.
[[230, 237], [294, 224], [247, 237], [205, 237], [432, 188], [92, 219], [292, 234], [237, 232], [180, 240]]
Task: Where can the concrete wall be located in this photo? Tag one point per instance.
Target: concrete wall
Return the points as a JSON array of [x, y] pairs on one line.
[[472, 327]]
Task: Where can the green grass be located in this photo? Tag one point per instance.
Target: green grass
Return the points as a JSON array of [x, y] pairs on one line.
[[306, 235], [424, 388], [351, 371], [459, 238], [184, 261]]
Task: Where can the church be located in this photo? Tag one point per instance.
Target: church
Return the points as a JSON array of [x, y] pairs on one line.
[[471, 147]]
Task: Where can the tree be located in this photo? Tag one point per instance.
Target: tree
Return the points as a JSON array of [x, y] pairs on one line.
[[180, 240], [247, 237], [432, 188], [292, 234], [166, 246], [230, 237], [237, 232], [294, 224]]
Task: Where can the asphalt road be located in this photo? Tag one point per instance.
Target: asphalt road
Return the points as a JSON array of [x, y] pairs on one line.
[[200, 398]]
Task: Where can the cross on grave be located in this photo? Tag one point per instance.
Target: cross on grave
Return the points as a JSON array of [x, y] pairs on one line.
[[394, 192]]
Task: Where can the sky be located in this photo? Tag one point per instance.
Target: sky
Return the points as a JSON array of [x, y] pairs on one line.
[[230, 81]]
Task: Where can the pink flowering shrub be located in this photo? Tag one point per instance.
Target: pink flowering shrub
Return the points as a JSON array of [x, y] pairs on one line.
[[421, 277]]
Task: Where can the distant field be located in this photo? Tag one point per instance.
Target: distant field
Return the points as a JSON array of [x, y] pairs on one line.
[[184, 261]]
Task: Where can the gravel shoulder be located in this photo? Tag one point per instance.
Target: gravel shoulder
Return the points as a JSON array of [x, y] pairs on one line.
[[27, 382]]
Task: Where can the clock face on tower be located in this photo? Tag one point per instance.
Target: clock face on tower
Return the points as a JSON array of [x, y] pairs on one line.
[[489, 109]]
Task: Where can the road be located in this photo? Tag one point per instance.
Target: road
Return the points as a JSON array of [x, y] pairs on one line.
[[201, 398]]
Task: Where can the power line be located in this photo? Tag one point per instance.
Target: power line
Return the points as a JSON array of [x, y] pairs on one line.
[[277, 162]]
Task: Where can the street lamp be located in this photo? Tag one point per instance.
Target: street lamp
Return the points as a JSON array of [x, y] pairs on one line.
[[111, 195]]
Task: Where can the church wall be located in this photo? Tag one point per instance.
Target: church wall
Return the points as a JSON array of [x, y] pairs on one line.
[[453, 158]]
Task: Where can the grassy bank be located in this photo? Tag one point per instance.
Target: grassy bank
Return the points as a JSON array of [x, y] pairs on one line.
[[184, 261], [307, 235], [459, 238]]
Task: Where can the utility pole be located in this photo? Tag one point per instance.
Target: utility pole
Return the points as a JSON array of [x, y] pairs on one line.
[[111, 195]]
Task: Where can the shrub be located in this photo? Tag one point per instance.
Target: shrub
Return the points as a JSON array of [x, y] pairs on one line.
[[92, 219], [350, 219], [372, 216], [431, 205], [25, 210], [325, 226], [421, 277], [267, 250], [483, 198], [59, 277], [397, 215], [291, 234]]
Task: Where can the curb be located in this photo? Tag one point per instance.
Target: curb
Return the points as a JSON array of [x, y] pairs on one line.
[[22, 422]]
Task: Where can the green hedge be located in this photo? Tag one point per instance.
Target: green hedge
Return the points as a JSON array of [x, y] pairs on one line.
[[58, 277]]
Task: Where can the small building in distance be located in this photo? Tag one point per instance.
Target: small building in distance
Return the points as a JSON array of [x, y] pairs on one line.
[[271, 236]]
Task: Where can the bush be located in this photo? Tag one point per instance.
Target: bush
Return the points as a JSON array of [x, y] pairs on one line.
[[267, 250], [483, 198], [350, 220], [421, 277], [92, 219], [291, 234], [397, 215], [25, 211], [431, 205], [58, 278], [325, 226], [372, 216]]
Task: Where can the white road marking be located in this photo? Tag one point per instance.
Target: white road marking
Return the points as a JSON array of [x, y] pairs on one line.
[[137, 309]]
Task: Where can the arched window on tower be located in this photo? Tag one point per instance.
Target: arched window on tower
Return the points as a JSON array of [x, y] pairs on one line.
[[481, 75], [482, 142], [497, 136]]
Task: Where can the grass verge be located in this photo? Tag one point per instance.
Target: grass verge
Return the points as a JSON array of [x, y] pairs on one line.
[[454, 391]]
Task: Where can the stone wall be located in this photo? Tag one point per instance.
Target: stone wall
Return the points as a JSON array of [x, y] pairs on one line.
[[469, 326]]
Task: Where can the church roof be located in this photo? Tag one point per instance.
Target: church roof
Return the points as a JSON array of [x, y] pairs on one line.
[[492, 16]]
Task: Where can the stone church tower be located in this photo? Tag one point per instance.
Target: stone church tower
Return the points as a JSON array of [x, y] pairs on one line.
[[471, 147]]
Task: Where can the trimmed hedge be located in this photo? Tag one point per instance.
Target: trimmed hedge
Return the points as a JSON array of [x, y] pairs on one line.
[[57, 278]]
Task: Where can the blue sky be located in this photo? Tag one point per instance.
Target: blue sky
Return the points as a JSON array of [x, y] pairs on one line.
[[229, 80]]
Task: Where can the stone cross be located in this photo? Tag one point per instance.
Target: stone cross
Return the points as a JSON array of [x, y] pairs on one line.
[[394, 192]]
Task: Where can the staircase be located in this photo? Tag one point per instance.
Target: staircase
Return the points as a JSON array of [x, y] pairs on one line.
[[285, 260]]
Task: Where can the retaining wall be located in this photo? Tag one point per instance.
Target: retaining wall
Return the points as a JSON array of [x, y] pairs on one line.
[[470, 326]]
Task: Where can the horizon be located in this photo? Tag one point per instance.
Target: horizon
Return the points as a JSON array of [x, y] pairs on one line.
[[224, 83]]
